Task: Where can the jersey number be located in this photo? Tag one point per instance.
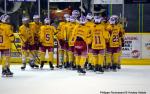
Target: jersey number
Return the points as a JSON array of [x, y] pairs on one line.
[[97, 40], [1, 39], [115, 38], [47, 37]]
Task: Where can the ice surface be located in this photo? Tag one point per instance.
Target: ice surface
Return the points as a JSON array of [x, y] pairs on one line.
[[61, 81]]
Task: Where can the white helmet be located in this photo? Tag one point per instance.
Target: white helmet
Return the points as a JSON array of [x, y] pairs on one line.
[[67, 19], [115, 16], [82, 20], [76, 13], [89, 16], [36, 17], [25, 19], [72, 19], [114, 19], [97, 19], [66, 15], [74, 16], [47, 21], [4, 18]]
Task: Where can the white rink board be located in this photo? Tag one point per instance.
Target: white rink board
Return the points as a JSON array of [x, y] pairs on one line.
[[132, 46], [136, 46], [146, 46]]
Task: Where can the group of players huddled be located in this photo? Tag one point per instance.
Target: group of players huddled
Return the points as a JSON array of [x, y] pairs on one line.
[[85, 42]]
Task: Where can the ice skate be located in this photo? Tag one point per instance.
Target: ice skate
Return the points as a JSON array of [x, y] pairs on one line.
[[42, 64], [23, 66], [51, 66]]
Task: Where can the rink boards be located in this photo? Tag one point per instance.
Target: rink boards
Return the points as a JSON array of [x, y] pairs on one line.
[[136, 50]]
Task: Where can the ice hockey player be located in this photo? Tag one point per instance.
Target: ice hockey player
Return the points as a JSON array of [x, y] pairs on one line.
[[27, 40], [35, 27], [81, 35], [46, 36], [70, 51], [60, 37], [90, 25], [65, 46], [6, 37], [99, 39], [113, 47]]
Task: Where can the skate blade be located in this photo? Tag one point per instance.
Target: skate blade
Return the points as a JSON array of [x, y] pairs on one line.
[[36, 68], [98, 72], [51, 69], [107, 70], [82, 74], [23, 69], [114, 70]]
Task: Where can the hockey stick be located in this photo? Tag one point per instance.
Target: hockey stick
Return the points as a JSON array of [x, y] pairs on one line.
[[17, 48], [31, 52]]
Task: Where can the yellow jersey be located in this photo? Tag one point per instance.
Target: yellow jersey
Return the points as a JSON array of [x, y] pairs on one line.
[[46, 35], [116, 33], [99, 37], [6, 36], [90, 25], [60, 29], [26, 35], [35, 27], [81, 31], [70, 29]]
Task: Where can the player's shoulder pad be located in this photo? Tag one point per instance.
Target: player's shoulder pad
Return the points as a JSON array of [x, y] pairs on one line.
[[22, 26], [7, 26], [32, 23]]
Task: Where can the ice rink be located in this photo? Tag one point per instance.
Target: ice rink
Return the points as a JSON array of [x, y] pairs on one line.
[[60, 81]]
